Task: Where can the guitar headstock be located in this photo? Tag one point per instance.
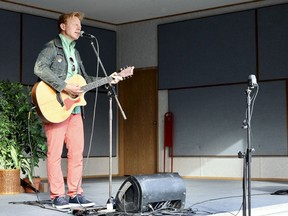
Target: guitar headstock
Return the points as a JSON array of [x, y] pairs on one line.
[[126, 72]]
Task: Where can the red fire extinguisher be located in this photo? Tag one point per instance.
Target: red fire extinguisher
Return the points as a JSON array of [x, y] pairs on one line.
[[168, 137]]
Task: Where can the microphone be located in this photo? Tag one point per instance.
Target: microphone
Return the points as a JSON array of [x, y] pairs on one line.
[[84, 34], [252, 82]]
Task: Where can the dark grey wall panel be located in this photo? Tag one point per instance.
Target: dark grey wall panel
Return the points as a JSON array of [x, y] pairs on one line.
[[207, 51], [107, 50], [269, 123], [208, 120], [10, 46], [36, 32], [273, 42], [100, 142]]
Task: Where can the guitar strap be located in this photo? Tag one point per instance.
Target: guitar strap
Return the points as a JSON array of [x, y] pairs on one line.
[[59, 52]]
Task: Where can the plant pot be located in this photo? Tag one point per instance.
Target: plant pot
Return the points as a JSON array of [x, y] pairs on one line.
[[10, 181], [35, 184]]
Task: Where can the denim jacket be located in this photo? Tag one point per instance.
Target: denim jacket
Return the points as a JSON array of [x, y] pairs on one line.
[[51, 65]]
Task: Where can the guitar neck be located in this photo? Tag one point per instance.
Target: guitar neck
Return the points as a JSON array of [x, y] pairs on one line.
[[96, 83]]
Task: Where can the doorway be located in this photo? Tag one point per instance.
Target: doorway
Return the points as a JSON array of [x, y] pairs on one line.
[[138, 133]]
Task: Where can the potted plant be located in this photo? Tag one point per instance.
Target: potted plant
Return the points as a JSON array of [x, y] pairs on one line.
[[11, 159], [22, 140]]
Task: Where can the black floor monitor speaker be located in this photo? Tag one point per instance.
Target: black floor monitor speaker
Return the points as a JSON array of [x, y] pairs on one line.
[[143, 193]]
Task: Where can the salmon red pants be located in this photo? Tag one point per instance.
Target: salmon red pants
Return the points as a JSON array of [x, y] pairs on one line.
[[71, 133]]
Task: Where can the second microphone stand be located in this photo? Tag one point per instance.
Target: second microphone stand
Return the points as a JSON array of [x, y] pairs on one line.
[[247, 160], [247, 157]]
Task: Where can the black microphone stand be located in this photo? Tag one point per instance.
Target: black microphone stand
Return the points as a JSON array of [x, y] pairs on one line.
[[247, 157], [111, 93]]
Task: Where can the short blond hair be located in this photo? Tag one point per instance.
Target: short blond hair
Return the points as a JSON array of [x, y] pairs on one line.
[[64, 17]]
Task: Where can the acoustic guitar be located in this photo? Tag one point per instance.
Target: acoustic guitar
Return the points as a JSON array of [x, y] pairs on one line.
[[55, 107]]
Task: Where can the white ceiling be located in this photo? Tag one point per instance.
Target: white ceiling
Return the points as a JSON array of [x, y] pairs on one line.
[[124, 11]]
